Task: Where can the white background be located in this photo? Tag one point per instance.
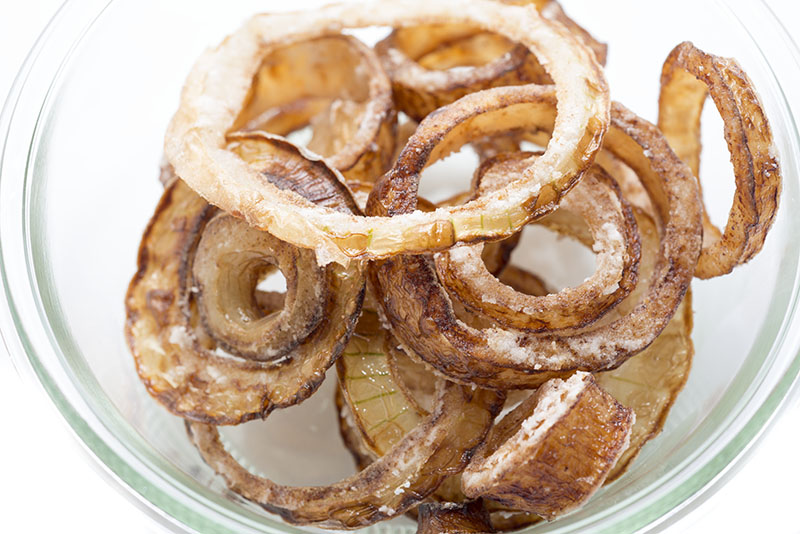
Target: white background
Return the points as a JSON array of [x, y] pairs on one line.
[[48, 483]]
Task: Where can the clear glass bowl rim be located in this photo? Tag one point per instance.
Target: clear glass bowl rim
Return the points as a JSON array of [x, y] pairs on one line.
[[178, 509]]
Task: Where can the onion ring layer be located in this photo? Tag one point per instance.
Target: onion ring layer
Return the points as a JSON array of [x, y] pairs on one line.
[[297, 85], [230, 260]]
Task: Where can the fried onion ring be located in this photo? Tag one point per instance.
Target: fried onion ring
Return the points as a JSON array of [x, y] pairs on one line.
[[349, 107], [226, 273], [552, 452], [433, 65], [220, 81], [690, 75], [441, 445], [190, 378], [598, 201], [422, 317]]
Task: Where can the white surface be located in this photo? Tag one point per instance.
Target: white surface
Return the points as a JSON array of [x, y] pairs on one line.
[[49, 484]]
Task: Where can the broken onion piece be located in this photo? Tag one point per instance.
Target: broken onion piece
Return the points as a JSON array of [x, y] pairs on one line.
[[218, 86], [551, 453], [689, 75], [452, 518]]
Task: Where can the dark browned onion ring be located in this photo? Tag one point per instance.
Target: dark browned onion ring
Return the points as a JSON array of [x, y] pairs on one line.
[[336, 75], [689, 75], [421, 314], [551, 453], [598, 201], [451, 518], [177, 367], [230, 260], [439, 447]]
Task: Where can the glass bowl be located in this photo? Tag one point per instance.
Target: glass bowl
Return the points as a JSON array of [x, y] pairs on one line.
[[83, 130]]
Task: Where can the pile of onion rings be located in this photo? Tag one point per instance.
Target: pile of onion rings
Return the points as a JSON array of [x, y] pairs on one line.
[[432, 330]]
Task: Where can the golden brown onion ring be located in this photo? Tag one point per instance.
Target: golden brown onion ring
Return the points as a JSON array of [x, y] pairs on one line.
[[433, 65], [337, 85], [230, 261], [689, 75], [422, 317], [451, 518], [596, 200], [178, 368], [220, 81], [439, 446], [552, 452]]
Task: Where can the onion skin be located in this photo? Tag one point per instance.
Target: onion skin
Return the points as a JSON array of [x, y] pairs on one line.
[[690, 75]]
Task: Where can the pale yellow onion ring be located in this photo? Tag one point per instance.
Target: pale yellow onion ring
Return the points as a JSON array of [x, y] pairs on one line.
[[218, 84]]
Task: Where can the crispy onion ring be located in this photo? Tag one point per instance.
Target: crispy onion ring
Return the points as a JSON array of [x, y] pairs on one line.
[[349, 106], [183, 371], [421, 314], [433, 65], [220, 81], [226, 273], [439, 446], [597, 200], [690, 75], [552, 452]]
